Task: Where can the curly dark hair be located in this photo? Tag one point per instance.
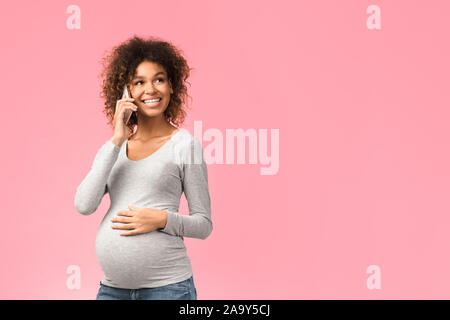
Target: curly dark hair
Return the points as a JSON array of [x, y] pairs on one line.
[[119, 68]]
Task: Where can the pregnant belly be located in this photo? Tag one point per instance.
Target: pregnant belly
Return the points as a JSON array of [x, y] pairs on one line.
[[131, 260]]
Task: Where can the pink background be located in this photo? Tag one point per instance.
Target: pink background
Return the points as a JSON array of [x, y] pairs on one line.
[[364, 144]]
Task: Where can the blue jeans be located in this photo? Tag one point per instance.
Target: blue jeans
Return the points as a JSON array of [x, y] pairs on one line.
[[184, 290]]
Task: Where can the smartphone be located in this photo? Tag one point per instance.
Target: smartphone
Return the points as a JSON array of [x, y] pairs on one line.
[[128, 112]]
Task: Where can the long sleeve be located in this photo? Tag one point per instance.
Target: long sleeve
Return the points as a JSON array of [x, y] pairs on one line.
[[195, 186], [92, 189]]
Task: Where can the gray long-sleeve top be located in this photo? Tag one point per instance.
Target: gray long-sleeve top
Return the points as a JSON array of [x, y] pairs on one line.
[[156, 258]]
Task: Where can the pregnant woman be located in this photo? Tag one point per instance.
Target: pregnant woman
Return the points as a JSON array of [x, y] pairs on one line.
[[146, 166]]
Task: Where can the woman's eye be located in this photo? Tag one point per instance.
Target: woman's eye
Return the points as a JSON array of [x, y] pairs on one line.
[[162, 80]]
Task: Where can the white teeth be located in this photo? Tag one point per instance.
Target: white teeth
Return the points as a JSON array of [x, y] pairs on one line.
[[152, 101]]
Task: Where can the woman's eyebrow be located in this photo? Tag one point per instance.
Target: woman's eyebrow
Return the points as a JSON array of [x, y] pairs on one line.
[[142, 77]]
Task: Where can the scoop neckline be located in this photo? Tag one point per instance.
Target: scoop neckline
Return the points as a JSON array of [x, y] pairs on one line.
[[158, 150]]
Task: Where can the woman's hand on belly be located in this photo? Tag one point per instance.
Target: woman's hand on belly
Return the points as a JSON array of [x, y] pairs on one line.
[[139, 220]]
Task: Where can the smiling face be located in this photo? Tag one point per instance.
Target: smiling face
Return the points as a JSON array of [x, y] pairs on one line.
[[149, 83]]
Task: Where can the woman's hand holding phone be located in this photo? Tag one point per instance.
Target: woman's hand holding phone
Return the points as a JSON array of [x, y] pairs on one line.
[[121, 131]]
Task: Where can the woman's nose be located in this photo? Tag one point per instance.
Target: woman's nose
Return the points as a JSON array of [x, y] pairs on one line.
[[149, 88]]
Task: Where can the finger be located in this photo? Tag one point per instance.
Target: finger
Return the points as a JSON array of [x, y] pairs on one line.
[[122, 219], [128, 104], [121, 104], [125, 213], [123, 226], [132, 107]]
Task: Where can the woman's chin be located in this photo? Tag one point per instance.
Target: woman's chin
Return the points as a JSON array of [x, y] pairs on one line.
[[151, 113]]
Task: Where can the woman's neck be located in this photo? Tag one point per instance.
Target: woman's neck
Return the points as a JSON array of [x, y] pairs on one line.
[[152, 128]]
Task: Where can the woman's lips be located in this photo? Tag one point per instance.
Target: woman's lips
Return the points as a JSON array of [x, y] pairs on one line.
[[153, 104]]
